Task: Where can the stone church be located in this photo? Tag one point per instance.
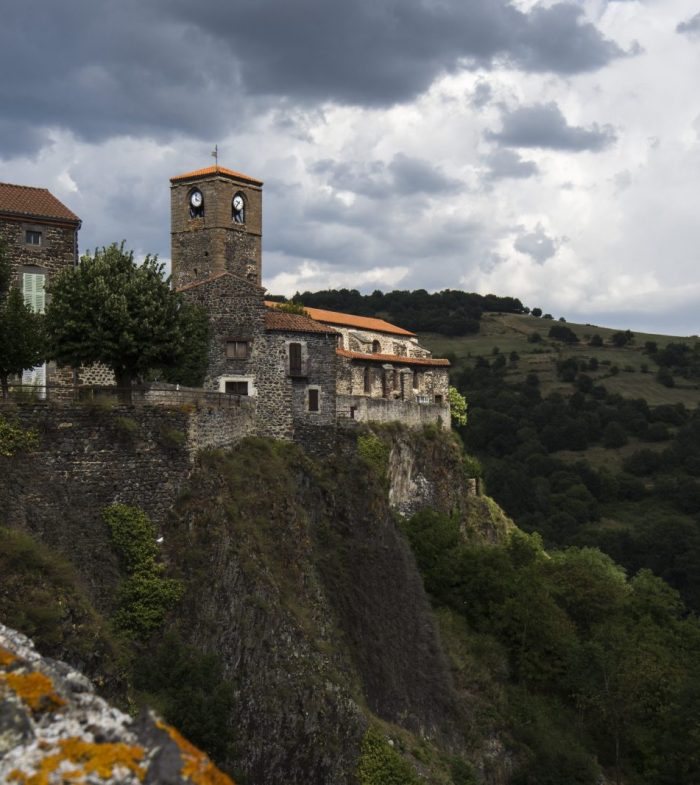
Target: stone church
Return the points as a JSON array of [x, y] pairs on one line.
[[304, 371]]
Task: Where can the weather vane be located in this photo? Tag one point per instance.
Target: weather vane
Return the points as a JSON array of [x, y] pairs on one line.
[[215, 155]]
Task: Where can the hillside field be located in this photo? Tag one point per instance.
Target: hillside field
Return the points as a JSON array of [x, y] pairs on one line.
[[627, 370]]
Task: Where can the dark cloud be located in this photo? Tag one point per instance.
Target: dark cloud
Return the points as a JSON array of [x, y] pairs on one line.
[[170, 66], [536, 244], [690, 26], [503, 164], [481, 95], [544, 125], [403, 175]]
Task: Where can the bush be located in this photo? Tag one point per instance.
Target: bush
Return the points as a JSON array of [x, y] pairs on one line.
[[561, 333], [596, 340], [145, 596], [614, 435], [374, 453], [534, 338], [14, 438], [380, 764]]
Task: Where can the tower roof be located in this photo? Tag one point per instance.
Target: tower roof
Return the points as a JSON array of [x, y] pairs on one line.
[[220, 170]]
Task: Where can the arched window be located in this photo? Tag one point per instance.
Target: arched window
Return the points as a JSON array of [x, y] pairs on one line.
[[376, 347]]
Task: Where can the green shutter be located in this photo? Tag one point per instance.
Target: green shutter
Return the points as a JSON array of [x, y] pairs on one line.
[[33, 290]]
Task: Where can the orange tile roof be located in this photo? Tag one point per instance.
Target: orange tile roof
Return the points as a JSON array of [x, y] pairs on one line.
[[215, 170], [294, 323], [393, 358], [24, 200], [349, 320]]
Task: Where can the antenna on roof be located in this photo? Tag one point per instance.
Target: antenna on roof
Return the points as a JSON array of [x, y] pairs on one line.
[[215, 155]]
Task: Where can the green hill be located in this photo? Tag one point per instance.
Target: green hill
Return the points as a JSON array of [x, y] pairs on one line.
[[626, 370]]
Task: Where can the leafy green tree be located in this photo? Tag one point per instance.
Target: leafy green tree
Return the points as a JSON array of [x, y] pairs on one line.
[[537, 312], [458, 406], [193, 355], [111, 310], [595, 340], [21, 333], [561, 333], [622, 338]]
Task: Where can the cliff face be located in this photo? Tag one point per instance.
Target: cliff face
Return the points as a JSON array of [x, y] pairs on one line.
[[297, 578]]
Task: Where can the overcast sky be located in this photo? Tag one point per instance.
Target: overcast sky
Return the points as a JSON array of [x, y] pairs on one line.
[[547, 151]]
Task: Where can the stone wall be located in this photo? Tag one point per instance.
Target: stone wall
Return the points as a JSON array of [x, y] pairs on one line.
[[392, 380], [57, 251], [236, 312], [363, 409]]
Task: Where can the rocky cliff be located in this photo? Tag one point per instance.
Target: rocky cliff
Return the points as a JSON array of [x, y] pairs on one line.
[[297, 580]]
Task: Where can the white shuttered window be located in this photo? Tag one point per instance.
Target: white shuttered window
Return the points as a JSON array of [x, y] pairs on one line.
[[33, 291]]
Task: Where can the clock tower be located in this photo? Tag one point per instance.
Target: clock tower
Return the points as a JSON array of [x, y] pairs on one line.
[[216, 225]]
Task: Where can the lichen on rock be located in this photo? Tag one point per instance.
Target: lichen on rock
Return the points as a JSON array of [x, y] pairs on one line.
[[54, 729]]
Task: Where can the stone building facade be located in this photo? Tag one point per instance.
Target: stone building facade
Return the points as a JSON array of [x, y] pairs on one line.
[[41, 237], [296, 367]]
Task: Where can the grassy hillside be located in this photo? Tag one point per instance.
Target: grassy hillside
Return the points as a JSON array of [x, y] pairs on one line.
[[626, 370]]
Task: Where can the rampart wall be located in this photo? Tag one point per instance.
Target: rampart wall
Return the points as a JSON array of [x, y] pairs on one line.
[[365, 409]]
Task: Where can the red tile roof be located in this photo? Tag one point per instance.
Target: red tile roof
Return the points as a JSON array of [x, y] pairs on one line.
[[393, 358], [215, 170], [294, 323], [349, 320], [24, 200]]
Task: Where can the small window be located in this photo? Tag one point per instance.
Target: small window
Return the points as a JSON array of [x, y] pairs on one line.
[[295, 359], [237, 388], [313, 400], [376, 347], [32, 237], [438, 399], [237, 350]]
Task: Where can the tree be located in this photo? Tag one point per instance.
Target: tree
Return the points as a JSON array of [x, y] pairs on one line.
[[621, 338], [192, 361], [537, 312], [561, 333], [596, 340], [21, 334], [458, 407], [111, 310]]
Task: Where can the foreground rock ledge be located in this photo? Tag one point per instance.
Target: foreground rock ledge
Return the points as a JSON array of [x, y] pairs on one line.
[[53, 729]]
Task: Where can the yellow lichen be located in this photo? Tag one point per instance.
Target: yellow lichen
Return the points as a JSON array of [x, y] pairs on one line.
[[6, 658], [35, 689], [196, 766], [87, 759]]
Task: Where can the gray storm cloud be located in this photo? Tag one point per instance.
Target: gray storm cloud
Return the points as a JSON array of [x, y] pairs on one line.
[[544, 125]]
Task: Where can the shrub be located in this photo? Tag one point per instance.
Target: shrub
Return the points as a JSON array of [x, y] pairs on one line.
[[561, 333], [145, 596], [380, 764], [14, 438], [596, 340], [374, 453]]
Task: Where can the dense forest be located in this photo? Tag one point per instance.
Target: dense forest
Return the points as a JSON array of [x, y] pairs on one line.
[[450, 312]]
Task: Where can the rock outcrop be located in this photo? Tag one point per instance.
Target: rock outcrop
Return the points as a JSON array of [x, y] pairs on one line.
[[55, 729]]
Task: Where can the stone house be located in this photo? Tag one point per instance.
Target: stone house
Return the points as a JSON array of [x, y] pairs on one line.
[[41, 237], [303, 371]]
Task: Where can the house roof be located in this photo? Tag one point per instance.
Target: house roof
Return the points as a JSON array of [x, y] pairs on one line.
[[294, 323], [213, 278], [349, 320], [30, 202], [215, 170], [393, 358]]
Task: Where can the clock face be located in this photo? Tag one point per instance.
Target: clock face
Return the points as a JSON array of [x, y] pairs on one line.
[[238, 203], [196, 199]]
